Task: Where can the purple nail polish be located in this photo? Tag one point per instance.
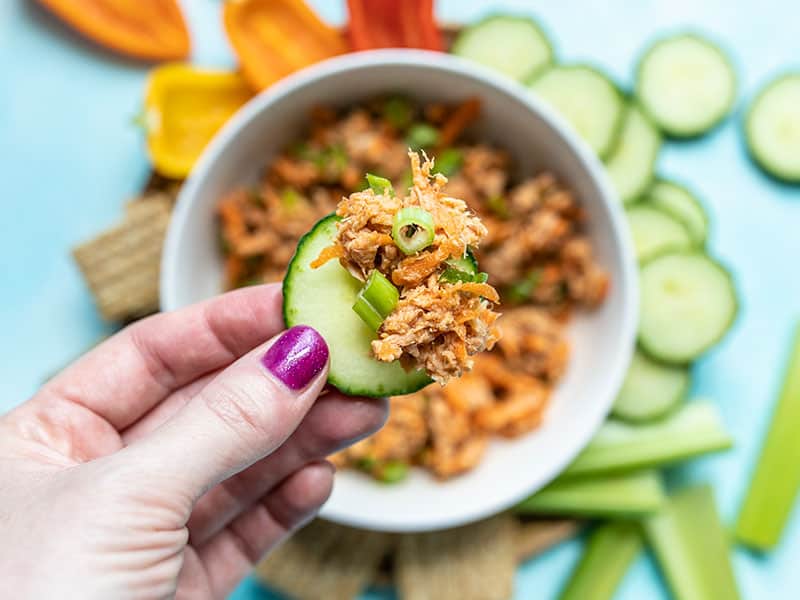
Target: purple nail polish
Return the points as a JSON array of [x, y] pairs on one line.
[[297, 356]]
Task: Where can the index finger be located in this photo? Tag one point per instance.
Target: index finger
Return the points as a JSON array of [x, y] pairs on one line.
[[124, 377]]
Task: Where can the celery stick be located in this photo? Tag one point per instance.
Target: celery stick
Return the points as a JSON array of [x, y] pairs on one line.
[[631, 495], [776, 478], [696, 428], [692, 547], [606, 558]]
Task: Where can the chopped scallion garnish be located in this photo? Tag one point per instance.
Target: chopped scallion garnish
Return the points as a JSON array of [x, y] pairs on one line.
[[376, 300], [498, 206], [380, 185], [391, 471], [290, 198], [422, 135], [398, 112], [413, 229], [448, 162]]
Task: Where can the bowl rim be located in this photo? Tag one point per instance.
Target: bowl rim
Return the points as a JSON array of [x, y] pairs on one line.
[[626, 282]]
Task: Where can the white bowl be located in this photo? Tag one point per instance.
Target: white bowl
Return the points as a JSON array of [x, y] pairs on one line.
[[602, 341]]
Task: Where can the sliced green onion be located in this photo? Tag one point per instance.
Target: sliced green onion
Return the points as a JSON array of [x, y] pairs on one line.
[[696, 428], [452, 275], [498, 206], [332, 159], [302, 151], [422, 135], [607, 556], [466, 263], [380, 185], [413, 229], [620, 496], [522, 291], [463, 269], [776, 478], [376, 300], [367, 312], [366, 463], [692, 547], [448, 163], [290, 198], [398, 111], [407, 180], [392, 471]]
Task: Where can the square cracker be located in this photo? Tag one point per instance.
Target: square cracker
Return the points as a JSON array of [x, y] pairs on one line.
[[474, 562], [325, 560]]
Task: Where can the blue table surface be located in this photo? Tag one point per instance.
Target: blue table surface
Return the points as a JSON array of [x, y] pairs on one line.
[[69, 158]]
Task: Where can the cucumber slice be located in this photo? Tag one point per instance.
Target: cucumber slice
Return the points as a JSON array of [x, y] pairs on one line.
[[772, 128], [513, 45], [607, 556], [587, 99], [686, 84], [650, 390], [677, 201], [654, 232], [694, 429], [620, 496], [323, 298], [688, 302], [631, 165]]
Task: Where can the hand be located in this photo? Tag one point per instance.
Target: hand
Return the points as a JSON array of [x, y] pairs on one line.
[[173, 456]]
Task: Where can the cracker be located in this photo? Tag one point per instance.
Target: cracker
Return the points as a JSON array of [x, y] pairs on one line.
[[535, 537], [325, 560], [121, 265], [474, 562]]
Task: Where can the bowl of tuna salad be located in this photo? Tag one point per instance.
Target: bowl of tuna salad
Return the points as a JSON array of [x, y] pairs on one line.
[[459, 248]]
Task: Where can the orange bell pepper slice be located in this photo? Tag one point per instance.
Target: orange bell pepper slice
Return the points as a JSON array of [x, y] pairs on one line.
[[393, 24], [274, 38], [184, 108], [143, 29]]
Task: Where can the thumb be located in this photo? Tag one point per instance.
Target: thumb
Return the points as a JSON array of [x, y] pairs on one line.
[[241, 416]]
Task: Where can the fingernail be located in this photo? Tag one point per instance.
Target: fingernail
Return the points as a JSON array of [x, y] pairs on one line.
[[297, 356]]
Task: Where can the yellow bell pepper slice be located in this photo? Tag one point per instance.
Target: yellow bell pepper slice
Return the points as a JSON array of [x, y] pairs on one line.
[[184, 107]]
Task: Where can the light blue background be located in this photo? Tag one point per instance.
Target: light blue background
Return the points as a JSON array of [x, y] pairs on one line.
[[69, 157]]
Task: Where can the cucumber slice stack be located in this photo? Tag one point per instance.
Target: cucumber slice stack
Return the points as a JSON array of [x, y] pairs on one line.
[[515, 46], [587, 99], [686, 84], [772, 128]]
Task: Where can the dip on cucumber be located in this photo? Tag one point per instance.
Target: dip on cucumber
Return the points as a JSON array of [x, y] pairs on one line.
[[392, 282]]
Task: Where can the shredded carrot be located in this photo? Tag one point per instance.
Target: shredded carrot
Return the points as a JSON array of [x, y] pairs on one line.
[[234, 269], [328, 253], [232, 219], [467, 112], [480, 289], [414, 269]]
